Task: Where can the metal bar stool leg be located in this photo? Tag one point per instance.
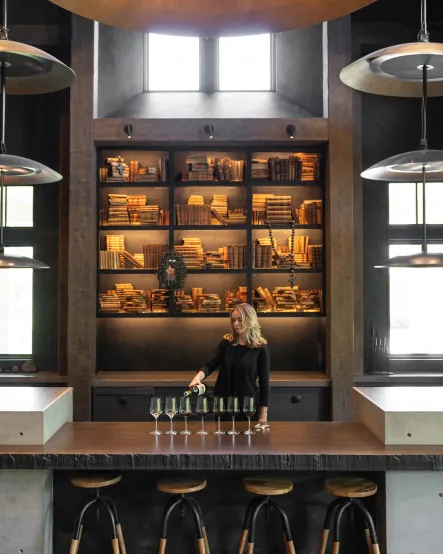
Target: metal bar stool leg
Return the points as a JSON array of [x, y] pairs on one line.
[[173, 502], [114, 540], [199, 525], [286, 529], [247, 523], [336, 525], [205, 536], [371, 534], [121, 540], [78, 529], [251, 538], [327, 524]]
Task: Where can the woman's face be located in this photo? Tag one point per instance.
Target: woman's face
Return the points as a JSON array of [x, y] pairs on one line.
[[236, 321]]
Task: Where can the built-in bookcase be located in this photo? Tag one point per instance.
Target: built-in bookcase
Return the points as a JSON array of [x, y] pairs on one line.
[[210, 204]]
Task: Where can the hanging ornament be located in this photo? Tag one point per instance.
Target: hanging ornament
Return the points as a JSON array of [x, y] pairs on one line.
[[171, 271], [289, 257], [206, 18]]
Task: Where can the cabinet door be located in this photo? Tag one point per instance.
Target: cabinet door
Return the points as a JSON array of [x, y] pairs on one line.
[[122, 404], [299, 404]]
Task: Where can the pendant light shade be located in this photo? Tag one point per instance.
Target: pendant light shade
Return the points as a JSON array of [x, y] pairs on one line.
[[421, 259], [408, 167], [211, 18], [30, 70], [10, 261], [398, 70], [22, 171]]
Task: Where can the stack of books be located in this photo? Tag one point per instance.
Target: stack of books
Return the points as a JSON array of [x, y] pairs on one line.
[[152, 253], [315, 255], [236, 297], [118, 209], [310, 212]]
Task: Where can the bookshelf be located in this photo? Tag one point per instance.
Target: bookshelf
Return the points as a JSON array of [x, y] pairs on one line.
[[172, 203]]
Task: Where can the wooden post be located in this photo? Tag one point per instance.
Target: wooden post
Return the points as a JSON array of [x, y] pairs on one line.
[[340, 220], [82, 219]]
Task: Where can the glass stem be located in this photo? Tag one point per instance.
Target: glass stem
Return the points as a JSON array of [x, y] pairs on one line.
[[203, 424], [249, 425], [186, 424], [156, 424], [218, 424], [233, 425], [171, 425]]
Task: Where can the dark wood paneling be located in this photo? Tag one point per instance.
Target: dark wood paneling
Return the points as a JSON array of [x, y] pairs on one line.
[[227, 130], [82, 220], [339, 222], [40, 35]]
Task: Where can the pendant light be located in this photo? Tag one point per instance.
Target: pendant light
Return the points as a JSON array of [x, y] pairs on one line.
[[397, 70], [211, 18], [24, 70], [420, 259]]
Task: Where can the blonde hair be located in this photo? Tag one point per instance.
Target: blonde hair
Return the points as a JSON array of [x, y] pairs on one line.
[[250, 322]]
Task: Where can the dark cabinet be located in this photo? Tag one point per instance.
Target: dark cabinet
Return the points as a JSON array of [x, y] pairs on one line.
[[122, 404], [133, 403], [299, 404]]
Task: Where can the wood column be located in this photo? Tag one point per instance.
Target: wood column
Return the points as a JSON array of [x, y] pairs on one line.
[[82, 219], [340, 219]]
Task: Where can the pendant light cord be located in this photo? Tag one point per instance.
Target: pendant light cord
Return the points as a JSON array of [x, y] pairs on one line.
[[424, 246], [423, 36], [4, 36], [424, 110]]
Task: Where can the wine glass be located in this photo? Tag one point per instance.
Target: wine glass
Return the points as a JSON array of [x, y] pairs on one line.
[[202, 409], [219, 408], [249, 410], [233, 409], [171, 410], [185, 410], [156, 410]]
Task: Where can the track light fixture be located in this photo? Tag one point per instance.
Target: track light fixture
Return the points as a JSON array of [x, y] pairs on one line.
[[128, 129], [209, 130], [290, 131]]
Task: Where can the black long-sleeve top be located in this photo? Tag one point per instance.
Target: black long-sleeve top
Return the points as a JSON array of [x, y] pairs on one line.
[[239, 369]]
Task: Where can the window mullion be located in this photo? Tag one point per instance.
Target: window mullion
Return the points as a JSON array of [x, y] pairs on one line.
[[208, 65]]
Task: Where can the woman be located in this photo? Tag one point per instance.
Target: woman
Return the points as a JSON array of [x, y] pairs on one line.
[[242, 357]]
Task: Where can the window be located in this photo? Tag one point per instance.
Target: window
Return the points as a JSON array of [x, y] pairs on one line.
[[16, 285], [192, 64], [416, 295], [244, 63]]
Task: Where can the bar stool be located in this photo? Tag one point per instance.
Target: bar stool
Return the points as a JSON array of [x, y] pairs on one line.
[[348, 490], [178, 488], [97, 483], [264, 487]]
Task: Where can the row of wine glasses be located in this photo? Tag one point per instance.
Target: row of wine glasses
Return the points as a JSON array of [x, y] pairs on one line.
[[232, 406]]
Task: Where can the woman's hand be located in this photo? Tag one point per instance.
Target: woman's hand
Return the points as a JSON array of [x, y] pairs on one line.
[[263, 418], [197, 379]]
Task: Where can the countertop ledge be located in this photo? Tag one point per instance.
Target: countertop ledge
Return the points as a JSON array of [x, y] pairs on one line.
[[316, 446], [182, 378]]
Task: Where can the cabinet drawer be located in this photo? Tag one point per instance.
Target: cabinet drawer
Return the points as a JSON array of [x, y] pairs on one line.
[[299, 404], [130, 404]]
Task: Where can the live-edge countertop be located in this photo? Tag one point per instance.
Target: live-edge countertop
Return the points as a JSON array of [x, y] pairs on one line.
[[321, 446]]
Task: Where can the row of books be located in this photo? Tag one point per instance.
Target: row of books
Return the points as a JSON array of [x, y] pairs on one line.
[[124, 298], [278, 210], [202, 168], [132, 210], [287, 299], [117, 170], [297, 167]]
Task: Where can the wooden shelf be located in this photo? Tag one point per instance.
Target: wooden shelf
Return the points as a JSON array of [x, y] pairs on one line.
[[181, 379], [232, 227], [150, 315], [291, 314], [137, 184], [286, 270], [287, 226], [128, 271], [130, 315], [39, 377], [134, 227], [265, 183], [210, 183]]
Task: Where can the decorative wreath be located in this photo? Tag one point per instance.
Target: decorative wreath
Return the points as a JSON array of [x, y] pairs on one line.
[[171, 270]]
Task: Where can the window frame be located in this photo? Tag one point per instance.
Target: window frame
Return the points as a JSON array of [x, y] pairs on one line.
[[412, 234], [18, 237], [209, 68]]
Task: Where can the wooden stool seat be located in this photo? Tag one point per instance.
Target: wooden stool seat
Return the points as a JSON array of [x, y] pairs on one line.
[[181, 486], [267, 486], [93, 481], [350, 487]]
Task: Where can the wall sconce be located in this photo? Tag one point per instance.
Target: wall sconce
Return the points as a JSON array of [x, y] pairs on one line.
[[128, 129], [290, 131], [209, 130]]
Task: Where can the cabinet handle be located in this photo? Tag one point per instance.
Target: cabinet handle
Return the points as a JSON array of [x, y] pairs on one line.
[[295, 399], [122, 400]]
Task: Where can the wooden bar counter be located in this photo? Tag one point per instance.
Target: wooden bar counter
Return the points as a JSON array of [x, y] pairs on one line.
[[286, 446]]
